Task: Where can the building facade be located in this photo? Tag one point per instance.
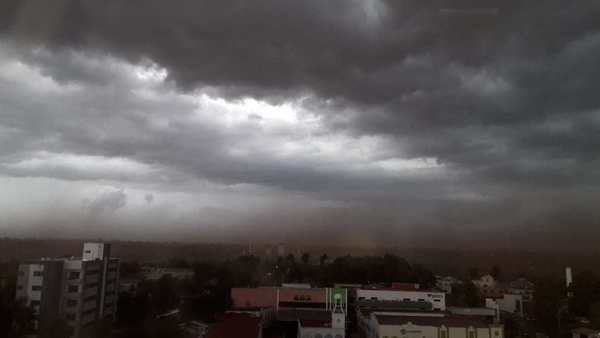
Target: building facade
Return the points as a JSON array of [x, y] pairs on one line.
[[437, 299], [419, 325], [81, 291]]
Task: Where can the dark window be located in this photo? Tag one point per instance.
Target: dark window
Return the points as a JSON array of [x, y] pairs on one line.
[[37, 273], [73, 288], [74, 275], [36, 288], [71, 316], [35, 303], [71, 302]]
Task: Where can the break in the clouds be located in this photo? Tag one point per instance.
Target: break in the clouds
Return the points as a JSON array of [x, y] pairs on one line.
[[392, 119]]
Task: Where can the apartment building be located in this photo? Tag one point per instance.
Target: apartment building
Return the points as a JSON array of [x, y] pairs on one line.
[[81, 291]]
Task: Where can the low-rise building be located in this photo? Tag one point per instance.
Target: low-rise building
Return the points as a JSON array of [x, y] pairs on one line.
[[523, 287], [508, 303], [317, 312], [389, 326], [436, 298], [332, 325], [289, 298]]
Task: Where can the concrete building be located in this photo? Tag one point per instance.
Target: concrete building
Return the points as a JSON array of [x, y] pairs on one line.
[[80, 291], [437, 299], [420, 326], [281, 298], [509, 303], [318, 312], [332, 327], [523, 287]]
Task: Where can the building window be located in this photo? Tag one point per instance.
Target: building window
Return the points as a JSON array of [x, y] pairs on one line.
[[71, 316], [73, 288], [71, 302], [19, 287], [36, 288], [35, 303], [37, 273], [471, 334], [74, 275], [442, 333]]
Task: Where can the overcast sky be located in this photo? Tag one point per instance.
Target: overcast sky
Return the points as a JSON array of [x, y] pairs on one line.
[[404, 122]]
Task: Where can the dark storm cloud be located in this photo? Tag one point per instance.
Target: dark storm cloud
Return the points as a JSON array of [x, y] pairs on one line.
[[422, 66], [502, 94]]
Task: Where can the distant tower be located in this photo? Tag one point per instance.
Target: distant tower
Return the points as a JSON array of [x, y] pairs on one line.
[[338, 316], [568, 280]]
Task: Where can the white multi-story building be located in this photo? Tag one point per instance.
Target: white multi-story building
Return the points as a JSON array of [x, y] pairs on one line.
[[80, 291], [437, 299]]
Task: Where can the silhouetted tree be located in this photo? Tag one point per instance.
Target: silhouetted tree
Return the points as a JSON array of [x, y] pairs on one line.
[[305, 258], [323, 259], [496, 272]]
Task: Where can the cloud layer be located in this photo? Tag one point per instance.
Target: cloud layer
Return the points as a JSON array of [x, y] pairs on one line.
[[214, 117]]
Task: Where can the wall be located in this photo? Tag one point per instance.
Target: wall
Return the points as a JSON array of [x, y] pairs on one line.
[[408, 331]]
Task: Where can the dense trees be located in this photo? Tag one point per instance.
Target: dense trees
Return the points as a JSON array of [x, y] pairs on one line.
[[465, 294]]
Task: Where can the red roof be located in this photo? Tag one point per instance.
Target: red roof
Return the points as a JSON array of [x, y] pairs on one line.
[[405, 286], [250, 298], [236, 325]]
